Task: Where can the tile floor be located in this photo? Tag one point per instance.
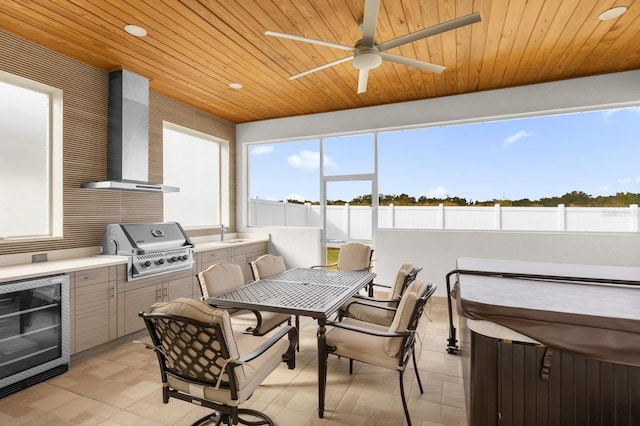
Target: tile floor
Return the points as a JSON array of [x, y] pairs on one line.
[[121, 386]]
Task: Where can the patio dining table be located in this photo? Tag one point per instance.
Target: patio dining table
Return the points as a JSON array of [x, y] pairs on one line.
[[316, 293]]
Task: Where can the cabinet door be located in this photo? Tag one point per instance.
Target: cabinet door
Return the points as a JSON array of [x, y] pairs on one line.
[[182, 287], [72, 314], [245, 254], [136, 300], [94, 300]]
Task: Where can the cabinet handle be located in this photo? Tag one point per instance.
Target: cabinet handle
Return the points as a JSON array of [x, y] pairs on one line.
[[90, 277], [159, 295], [113, 289], [165, 292]]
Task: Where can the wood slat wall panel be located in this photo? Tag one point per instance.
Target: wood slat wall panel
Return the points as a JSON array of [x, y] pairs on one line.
[[85, 91]]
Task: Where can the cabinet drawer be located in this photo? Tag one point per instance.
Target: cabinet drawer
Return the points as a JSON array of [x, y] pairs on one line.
[[91, 276], [212, 257], [250, 248]]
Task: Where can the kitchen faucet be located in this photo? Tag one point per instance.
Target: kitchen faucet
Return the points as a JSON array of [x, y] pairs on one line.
[[221, 232]]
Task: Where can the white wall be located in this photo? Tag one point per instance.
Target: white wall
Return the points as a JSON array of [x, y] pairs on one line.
[[437, 250], [300, 247]]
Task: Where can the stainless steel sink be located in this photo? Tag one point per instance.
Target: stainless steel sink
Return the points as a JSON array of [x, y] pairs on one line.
[[233, 241]]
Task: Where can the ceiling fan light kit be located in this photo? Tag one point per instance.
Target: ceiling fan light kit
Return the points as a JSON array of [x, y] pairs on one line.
[[368, 55], [366, 58]]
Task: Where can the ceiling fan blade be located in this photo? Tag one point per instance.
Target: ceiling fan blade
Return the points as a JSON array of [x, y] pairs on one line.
[[436, 29], [427, 66], [310, 40], [363, 77], [321, 67], [369, 19]]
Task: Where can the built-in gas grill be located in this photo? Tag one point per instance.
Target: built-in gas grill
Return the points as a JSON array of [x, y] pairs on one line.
[[151, 248]]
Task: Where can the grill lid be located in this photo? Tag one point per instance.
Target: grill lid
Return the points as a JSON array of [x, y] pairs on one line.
[[140, 238]]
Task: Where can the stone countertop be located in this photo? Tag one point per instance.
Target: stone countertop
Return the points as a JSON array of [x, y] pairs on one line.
[[31, 270], [206, 243], [71, 264]]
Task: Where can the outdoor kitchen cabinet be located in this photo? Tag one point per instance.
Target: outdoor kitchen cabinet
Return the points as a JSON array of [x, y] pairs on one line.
[[208, 258], [243, 255], [139, 295], [93, 307]]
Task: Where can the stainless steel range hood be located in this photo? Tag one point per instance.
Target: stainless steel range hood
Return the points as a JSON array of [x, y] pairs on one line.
[[128, 136]]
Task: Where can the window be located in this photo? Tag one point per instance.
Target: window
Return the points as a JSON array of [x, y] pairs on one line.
[[30, 159], [515, 162], [564, 172], [284, 180], [194, 162]]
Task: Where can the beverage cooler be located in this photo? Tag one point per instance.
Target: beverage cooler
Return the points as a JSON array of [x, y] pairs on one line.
[[34, 331]]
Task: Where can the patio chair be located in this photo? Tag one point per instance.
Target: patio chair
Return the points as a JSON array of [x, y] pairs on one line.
[[224, 277], [386, 347], [202, 361], [353, 257], [380, 311], [267, 266]]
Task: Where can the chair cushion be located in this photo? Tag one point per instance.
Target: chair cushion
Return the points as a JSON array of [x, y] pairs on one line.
[[354, 257], [402, 318], [401, 276], [246, 318], [267, 265], [221, 278], [360, 309], [360, 346]]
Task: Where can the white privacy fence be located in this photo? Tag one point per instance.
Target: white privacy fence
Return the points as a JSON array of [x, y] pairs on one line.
[[354, 222]]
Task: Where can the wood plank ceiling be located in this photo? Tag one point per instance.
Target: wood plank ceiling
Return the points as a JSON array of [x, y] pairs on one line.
[[195, 48]]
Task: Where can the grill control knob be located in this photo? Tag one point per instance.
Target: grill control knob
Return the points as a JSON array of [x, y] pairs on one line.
[[173, 259], [160, 261], [147, 263]]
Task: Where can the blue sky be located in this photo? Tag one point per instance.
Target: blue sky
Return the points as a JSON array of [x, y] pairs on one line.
[[595, 152]]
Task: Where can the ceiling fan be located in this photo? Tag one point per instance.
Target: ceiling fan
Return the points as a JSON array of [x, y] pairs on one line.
[[367, 54]]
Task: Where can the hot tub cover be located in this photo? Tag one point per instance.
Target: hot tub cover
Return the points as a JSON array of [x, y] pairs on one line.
[[598, 317]]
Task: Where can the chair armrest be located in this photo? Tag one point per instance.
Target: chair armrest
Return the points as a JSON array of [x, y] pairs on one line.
[[324, 266], [369, 331], [373, 299], [381, 285], [270, 342], [371, 305]]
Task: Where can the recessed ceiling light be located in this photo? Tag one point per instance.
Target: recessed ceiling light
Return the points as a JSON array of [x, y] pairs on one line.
[[612, 13], [236, 86], [135, 30]]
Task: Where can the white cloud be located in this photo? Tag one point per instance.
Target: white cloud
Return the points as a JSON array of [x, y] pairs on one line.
[[624, 180], [309, 160], [437, 192], [603, 188], [515, 137], [262, 149]]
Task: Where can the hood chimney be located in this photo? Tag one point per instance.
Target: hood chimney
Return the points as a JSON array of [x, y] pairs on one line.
[[128, 136]]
